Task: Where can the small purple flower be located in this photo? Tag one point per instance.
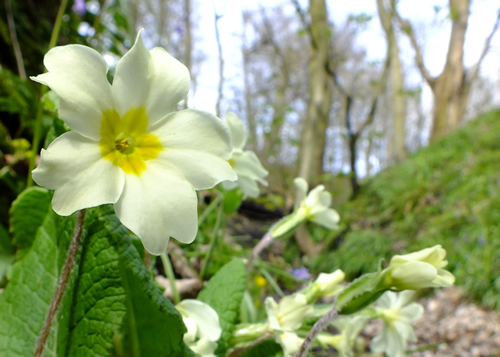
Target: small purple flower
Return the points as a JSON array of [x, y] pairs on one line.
[[301, 273], [79, 7]]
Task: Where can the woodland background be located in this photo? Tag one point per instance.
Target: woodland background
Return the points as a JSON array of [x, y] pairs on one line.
[[403, 171]]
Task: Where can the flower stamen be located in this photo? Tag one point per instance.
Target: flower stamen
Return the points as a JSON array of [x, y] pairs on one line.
[[122, 145]]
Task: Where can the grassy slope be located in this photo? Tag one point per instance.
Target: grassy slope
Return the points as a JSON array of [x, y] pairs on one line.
[[448, 194]]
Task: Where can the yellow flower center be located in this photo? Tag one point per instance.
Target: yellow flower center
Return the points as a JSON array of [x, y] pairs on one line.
[[125, 141]]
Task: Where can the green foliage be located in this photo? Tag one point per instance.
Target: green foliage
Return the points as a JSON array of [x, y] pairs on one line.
[[267, 348], [360, 293], [27, 213], [224, 293], [448, 194], [111, 305]]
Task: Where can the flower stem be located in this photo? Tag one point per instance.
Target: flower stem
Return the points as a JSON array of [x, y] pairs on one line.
[[63, 280], [316, 329], [264, 242], [43, 89], [215, 233], [271, 281], [171, 277]]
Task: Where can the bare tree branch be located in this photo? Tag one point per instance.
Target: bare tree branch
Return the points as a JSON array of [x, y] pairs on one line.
[[220, 95], [408, 29], [487, 44], [15, 43]]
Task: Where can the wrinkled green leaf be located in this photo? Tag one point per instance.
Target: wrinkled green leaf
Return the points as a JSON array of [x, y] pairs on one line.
[[111, 305], [224, 293], [26, 299], [27, 214]]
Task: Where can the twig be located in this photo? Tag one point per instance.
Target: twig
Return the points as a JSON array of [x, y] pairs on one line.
[[316, 329], [15, 42], [63, 280]]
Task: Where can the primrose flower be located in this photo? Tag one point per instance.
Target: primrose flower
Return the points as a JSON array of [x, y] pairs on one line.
[[128, 146], [398, 315], [349, 328], [314, 207], [290, 343], [288, 315], [244, 162], [203, 327], [419, 270]]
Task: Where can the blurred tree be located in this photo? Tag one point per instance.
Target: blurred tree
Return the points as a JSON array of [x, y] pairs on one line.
[[397, 148], [451, 88]]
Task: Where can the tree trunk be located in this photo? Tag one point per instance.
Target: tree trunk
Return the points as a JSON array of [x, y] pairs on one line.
[[398, 152], [316, 121]]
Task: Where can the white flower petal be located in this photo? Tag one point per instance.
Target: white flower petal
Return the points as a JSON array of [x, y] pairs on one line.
[[247, 164], [249, 187], [158, 204], [290, 343], [169, 85], [78, 75], [73, 166], [192, 329], [196, 144], [204, 347], [302, 188], [132, 81], [206, 318], [272, 313], [237, 129], [328, 218], [195, 130], [229, 185]]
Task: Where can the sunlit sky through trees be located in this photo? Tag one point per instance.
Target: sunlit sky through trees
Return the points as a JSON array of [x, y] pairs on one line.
[[431, 26]]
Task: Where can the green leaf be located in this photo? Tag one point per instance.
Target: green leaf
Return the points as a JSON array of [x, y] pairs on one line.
[[5, 243], [111, 305], [7, 256], [116, 305], [360, 293], [26, 299], [224, 293], [57, 128], [27, 213], [267, 348], [232, 200]]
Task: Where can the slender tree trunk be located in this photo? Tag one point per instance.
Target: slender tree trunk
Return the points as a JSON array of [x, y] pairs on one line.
[[448, 87], [316, 121], [398, 105]]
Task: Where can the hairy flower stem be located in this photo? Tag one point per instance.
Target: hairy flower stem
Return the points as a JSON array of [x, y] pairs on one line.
[[63, 281], [264, 242], [169, 271], [316, 329]]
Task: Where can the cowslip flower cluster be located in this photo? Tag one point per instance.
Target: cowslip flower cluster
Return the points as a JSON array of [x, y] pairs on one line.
[[128, 146], [244, 162], [314, 207], [203, 326], [398, 313]]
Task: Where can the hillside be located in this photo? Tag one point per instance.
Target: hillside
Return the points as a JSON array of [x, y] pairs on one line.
[[447, 193]]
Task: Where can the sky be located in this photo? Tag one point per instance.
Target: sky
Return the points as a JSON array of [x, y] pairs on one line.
[[433, 31]]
